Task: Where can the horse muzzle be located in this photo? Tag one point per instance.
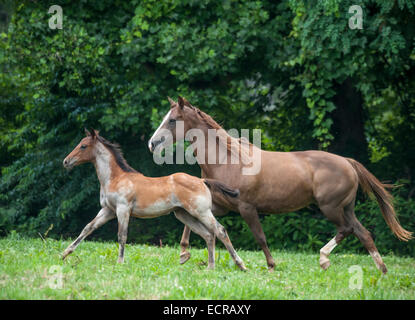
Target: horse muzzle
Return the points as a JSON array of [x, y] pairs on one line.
[[152, 144], [69, 163]]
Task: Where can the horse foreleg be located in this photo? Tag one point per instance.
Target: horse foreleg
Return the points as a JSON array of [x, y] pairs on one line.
[[123, 216], [103, 216], [197, 227], [250, 215], [184, 244]]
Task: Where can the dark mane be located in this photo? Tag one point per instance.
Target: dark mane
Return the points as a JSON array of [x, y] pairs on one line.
[[115, 149], [212, 124], [207, 119]]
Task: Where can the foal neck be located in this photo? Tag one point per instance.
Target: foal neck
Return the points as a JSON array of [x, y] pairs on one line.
[[105, 165]]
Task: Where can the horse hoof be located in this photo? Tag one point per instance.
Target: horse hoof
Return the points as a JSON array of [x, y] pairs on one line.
[[65, 254], [325, 265], [184, 257], [384, 269], [242, 267]]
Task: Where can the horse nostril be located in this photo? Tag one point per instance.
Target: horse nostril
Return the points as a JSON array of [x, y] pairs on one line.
[[152, 145]]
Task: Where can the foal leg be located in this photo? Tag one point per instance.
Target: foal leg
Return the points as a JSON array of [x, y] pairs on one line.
[[197, 227], [103, 216], [184, 242], [214, 226], [123, 216], [250, 215]]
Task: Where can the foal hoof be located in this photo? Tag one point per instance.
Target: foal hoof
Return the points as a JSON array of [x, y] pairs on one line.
[[383, 269], [242, 266], [65, 254], [325, 265], [184, 256]]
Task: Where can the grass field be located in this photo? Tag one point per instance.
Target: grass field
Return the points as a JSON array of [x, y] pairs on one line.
[[32, 269]]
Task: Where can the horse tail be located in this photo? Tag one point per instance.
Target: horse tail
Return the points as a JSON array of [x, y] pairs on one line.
[[222, 192], [372, 186]]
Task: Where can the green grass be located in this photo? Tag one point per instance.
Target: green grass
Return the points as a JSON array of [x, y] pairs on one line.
[[27, 269]]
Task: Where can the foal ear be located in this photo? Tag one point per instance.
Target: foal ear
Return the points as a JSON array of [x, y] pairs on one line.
[[88, 134], [95, 133]]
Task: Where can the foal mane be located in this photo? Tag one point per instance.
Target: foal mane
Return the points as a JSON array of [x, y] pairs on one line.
[[115, 149]]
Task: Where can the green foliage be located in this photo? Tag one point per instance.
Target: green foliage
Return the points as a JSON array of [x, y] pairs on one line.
[[279, 67]]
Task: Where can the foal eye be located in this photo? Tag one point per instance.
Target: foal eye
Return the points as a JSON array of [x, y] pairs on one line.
[[172, 120], [83, 147]]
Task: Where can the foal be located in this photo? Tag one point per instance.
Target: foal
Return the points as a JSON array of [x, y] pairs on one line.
[[126, 192]]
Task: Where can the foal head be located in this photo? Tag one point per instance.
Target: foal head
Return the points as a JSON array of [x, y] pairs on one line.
[[83, 152], [182, 114]]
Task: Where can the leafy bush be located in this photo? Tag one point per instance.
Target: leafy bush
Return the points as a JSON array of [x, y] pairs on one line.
[[289, 68]]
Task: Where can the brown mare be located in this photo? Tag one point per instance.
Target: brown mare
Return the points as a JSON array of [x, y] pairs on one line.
[[126, 192], [287, 181]]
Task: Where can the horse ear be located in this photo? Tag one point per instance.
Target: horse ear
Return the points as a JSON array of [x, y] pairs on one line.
[[181, 102], [95, 133], [88, 134], [172, 102]]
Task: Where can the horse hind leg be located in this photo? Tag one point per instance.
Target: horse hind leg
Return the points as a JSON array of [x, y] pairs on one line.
[[337, 216], [347, 223], [328, 248], [214, 226], [192, 224], [364, 236], [366, 239], [184, 242]]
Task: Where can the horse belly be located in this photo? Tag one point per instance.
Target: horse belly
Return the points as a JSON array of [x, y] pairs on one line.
[[283, 190], [156, 209]]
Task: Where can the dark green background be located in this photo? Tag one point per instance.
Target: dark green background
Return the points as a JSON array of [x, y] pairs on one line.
[[294, 69]]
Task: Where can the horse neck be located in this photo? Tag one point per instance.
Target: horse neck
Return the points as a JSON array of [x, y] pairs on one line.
[[105, 165], [207, 167]]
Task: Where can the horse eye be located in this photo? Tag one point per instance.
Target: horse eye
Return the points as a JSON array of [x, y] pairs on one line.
[[83, 147], [172, 120]]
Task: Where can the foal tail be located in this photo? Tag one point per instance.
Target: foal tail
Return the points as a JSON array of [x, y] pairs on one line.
[[222, 192], [371, 185]]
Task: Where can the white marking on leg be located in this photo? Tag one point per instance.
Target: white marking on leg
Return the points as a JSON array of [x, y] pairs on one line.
[[326, 250], [377, 258]]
